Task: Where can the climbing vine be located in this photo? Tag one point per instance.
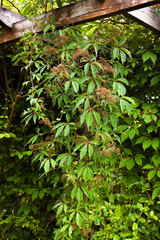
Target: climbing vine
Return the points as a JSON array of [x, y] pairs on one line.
[[79, 125]]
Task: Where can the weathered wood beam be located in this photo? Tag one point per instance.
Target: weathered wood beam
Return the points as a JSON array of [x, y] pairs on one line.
[[146, 16], [8, 17], [80, 12]]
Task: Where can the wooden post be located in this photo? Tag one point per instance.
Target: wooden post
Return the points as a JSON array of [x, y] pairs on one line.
[[8, 17], [146, 16]]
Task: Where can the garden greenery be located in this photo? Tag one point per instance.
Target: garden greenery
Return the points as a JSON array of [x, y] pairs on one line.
[[79, 133]]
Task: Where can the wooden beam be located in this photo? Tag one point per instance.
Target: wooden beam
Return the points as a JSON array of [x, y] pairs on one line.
[[146, 16], [8, 17], [77, 13]]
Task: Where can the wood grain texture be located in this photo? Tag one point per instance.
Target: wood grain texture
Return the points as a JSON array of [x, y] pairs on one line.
[[8, 17], [80, 12], [146, 16]]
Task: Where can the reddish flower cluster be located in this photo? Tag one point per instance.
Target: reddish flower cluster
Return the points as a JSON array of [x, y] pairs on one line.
[[60, 69], [63, 39], [67, 20], [111, 149], [50, 51], [46, 121], [80, 53], [106, 67], [106, 94]]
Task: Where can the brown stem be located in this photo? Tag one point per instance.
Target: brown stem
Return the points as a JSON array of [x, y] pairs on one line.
[[2, 90], [12, 113], [47, 227], [14, 5], [6, 79]]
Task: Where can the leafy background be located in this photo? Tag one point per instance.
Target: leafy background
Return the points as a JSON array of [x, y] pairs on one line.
[[79, 131]]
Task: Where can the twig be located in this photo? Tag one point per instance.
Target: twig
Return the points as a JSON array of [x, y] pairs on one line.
[[47, 227], [2, 90], [12, 113], [6, 79], [14, 6]]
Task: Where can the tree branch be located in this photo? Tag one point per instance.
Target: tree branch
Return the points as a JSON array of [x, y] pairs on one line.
[[6, 79], [14, 6]]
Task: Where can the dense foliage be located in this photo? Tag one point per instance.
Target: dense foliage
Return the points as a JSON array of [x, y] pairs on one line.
[[79, 133]]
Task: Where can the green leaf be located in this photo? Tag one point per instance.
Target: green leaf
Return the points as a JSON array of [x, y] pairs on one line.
[[73, 192], [146, 144], [88, 173], [148, 166], [125, 135], [7, 135], [123, 57], [113, 120], [46, 29], [149, 55], [64, 228], [118, 212], [89, 119], [155, 80], [97, 117], [115, 53], [128, 151], [130, 164], [141, 139], [146, 56], [151, 174], [153, 57], [41, 194], [66, 130], [123, 80], [158, 173], [135, 226], [78, 219], [121, 128], [78, 145], [70, 230], [138, 159], [2, 135], [59, 131], [155, 143], [83, 151], [83, 116], [79, 194], [122, 41], [90, 150], [147, 118], [67, 85], [94, 70], [59, 3], [86, 69], [75, 86], [156, 192], [123, 163], [47, 166], [132, 133], [119, 88], [127, 52], [34, 195], [91, 87], [85, 190]]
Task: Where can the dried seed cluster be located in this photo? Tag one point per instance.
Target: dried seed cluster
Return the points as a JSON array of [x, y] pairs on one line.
[[106, 67], [80, 53], [60, 69], [111, 149], [105, 94]]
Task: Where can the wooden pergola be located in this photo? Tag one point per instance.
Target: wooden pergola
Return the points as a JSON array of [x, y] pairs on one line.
[[16, 25]]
